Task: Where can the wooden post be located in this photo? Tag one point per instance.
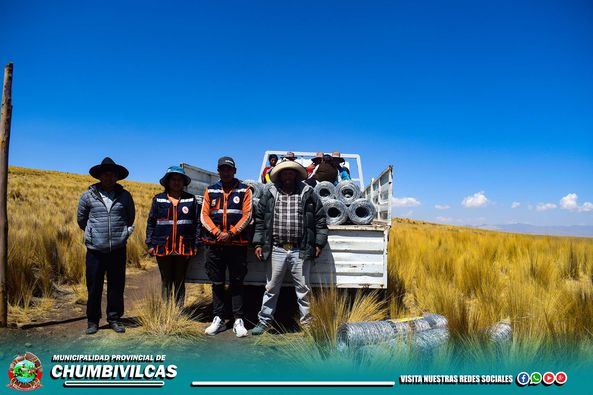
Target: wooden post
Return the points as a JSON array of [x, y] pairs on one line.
[[5, 119]]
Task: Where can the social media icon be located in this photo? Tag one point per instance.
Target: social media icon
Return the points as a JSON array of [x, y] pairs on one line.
[[536, 378], [561, 378], [549, 378], [522, 379]]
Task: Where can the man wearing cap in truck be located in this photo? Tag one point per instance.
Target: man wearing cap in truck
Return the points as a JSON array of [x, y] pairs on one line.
[[226, 213]]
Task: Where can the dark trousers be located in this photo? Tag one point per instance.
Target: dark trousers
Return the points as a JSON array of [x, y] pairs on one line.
[[218, 259], [97, 264], [173, 269]]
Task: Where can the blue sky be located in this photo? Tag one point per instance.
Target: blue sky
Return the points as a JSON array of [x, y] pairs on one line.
[[490, 101]]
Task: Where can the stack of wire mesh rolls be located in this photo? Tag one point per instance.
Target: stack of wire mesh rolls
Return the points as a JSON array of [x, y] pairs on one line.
[[344, 203]]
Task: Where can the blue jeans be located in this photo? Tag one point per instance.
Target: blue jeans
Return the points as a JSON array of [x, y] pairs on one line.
[[282, 262]]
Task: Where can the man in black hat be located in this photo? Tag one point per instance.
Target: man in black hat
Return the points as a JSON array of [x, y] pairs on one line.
[[106, 214]]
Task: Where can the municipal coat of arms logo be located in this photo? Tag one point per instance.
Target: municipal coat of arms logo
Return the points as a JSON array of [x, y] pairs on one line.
[[25, 372]]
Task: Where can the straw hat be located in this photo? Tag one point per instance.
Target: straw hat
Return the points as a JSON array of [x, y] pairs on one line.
[[288, 165]]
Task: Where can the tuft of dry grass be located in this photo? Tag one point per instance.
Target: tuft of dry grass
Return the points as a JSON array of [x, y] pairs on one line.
[[331, 307], [165, 320]]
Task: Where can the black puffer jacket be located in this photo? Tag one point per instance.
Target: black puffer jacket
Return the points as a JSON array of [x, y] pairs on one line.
[[104, 230], [315, 227]]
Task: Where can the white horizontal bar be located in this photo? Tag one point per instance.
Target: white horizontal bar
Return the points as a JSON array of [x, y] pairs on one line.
[[113, 383], [293, 383]]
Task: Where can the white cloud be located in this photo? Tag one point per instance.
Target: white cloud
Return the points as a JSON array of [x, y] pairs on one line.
[[478, 199], [570, 202], [405, 202], [442, 206], [545, 206], [443, 219], [515, 204]]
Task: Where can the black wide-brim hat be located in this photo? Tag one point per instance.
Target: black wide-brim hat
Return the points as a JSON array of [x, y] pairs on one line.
[[108, 164]]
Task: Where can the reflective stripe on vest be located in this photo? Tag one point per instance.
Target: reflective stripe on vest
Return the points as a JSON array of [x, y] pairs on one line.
[[170, 222]]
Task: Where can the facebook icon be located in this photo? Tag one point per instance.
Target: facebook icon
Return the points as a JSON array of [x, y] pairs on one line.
[[522, 379]]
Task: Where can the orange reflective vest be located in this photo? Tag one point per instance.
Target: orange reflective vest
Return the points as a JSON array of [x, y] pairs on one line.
[[226, 212]]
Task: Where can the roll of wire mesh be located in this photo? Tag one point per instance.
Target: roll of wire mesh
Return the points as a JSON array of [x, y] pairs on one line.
[[336, 212], [359, 334], [347, 192], [421, 342], [361, 212], [325, 190], [500, 333]]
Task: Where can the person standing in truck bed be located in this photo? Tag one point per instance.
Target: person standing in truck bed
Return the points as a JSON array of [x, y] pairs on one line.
[[226, 213], [265, 175]]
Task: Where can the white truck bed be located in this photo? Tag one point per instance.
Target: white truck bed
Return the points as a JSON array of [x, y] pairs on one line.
[[355, 256]]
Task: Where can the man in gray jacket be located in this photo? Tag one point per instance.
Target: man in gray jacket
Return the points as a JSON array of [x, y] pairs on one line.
[[290, 227], [106, 214]]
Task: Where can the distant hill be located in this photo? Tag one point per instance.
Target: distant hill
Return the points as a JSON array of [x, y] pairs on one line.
[[573, 230]]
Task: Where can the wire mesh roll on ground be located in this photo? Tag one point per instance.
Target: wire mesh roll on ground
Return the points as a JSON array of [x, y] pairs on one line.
[[347, 192], [336, 212], [500, 333], [325, 190], [425, 342], [361, 212], [256, 187], [359, 334]]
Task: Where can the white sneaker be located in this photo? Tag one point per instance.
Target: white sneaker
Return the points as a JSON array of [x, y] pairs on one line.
[[239, 328], [217, 325]]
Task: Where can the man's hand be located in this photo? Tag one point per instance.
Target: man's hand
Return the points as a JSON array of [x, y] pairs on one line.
[[151, 251], [222, 237], [317, 251], [259, 253]]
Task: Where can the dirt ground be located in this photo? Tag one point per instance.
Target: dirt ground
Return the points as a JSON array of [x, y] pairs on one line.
[[65, 324]]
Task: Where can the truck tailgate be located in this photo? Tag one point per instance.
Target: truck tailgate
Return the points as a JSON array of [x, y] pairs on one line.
[[355, 257]]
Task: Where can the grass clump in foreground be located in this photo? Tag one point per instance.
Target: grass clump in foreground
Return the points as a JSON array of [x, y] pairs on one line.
[[165, 321]]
